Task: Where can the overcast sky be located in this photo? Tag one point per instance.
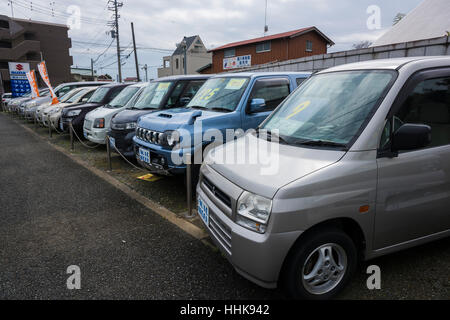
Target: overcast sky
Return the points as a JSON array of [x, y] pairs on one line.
[[162, 23]]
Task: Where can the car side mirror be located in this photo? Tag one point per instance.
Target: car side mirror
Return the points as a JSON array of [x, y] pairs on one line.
[[411, 137], [184, 101], [257, 105]]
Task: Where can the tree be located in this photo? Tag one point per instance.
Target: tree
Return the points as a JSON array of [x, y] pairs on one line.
[[398, 17], [362, 44]]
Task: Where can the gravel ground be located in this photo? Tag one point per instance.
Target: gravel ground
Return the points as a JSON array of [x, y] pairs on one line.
[[56, 213]]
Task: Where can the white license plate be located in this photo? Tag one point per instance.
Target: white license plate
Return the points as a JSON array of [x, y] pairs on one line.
[[203, 211], [144, 155]]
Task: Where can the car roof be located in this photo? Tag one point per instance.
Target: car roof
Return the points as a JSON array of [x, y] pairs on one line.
[[139, 84], [184, 77], [262, 74], [83, 83], [387, 64]]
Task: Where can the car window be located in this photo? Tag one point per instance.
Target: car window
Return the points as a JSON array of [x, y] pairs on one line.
[[175, 95], [99, 95], [125, 95], [220, 94], [77, 96], [429, 104], [300, 81], [153, 95], [115, 93], [61, 92], [273, 91]]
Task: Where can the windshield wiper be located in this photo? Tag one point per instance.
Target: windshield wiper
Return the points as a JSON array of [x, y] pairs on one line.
[[221, 109], [198, 107], [272, 135], [322, 143]]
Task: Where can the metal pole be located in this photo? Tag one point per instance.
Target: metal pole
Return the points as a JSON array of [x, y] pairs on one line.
[[135, 54], [71, 136], [92, 69], [108, 152], [116, 16], [189, 185]]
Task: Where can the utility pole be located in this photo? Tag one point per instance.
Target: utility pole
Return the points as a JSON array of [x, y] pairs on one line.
[[135, 53], [115, 6], [145, 67], [12, 9], [92, 69]]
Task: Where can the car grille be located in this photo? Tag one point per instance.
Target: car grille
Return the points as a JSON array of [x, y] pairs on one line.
[[222, 196], [221, 232], [149, 135]]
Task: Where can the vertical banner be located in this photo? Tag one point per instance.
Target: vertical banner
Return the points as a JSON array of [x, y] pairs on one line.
[[33, 84], [19, 81], [44, 75]]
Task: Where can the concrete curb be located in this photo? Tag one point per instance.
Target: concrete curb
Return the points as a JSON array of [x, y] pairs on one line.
[[172, 217]]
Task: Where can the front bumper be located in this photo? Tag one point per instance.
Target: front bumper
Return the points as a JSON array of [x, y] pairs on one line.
[[123, 141], [257, 257], [95, 135], [160, 158]]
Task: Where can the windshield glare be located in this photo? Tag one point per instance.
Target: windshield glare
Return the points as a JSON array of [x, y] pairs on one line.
[[330, 107], [98, 95], [123, 97], [77, 96], [219, 93], [153, 95]]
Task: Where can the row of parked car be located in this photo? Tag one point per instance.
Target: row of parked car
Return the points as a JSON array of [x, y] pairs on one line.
[[361, 155]]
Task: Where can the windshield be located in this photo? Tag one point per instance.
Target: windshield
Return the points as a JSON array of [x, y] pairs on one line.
[[98, 95], [68, 95], [153, 95], [77, 96], [329, 108], [219, 94], [123, 97]]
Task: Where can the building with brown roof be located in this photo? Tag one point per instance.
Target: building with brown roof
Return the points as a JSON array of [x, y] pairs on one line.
[[273, 48]]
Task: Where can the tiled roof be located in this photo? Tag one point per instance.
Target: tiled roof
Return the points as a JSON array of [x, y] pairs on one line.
[[189, 40], [273, 37]]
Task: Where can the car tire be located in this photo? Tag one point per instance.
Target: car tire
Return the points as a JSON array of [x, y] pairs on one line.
[[320, 265]]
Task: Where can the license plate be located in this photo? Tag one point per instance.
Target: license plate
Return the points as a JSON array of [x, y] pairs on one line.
[[203, 211], [144, 155]]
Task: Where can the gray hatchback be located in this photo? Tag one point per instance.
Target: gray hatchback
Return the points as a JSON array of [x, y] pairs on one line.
[[357, 166]]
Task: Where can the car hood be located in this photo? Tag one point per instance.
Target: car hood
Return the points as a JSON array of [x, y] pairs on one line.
[[272, 165], [131, 115], [177, 118], [83, 106], [102, 112]]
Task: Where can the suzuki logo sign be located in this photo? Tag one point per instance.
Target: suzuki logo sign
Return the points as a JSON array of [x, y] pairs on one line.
[[19, 67]]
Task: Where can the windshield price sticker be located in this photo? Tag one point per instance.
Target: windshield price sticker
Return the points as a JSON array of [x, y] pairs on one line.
[[163, 86], [302, 106], [235, 84]]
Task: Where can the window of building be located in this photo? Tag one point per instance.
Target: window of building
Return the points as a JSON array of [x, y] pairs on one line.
[[228, 53], [273, 91], [429, 104], [5, 44], [309, 46], [263, 47], [177, 66]]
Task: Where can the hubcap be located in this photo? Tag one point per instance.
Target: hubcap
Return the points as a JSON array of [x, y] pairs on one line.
[[324, 269]]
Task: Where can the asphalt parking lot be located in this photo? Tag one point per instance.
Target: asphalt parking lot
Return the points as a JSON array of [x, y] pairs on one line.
[[55, 213]]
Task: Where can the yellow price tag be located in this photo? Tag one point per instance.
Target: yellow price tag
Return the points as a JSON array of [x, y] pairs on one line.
[[302, 106], [235, 84], [163, 86]]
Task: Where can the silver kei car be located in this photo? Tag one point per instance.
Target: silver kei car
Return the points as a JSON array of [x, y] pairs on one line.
[[362, 170]]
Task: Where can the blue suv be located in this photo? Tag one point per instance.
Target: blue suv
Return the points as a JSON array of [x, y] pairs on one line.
[[230, 101]]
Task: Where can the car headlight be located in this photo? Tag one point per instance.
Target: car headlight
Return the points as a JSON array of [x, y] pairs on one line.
[[73, 113], [171, 138], [123, 126], [99, 123], [253, 211]]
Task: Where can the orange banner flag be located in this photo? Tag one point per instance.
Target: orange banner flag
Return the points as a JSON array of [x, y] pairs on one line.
[[44, 75]]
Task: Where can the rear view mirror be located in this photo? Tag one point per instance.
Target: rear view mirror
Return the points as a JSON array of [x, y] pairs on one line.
[[257, 105], [411, 137], [184, 101]]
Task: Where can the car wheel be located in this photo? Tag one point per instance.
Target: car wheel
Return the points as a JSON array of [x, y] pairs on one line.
[[320, 265]]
